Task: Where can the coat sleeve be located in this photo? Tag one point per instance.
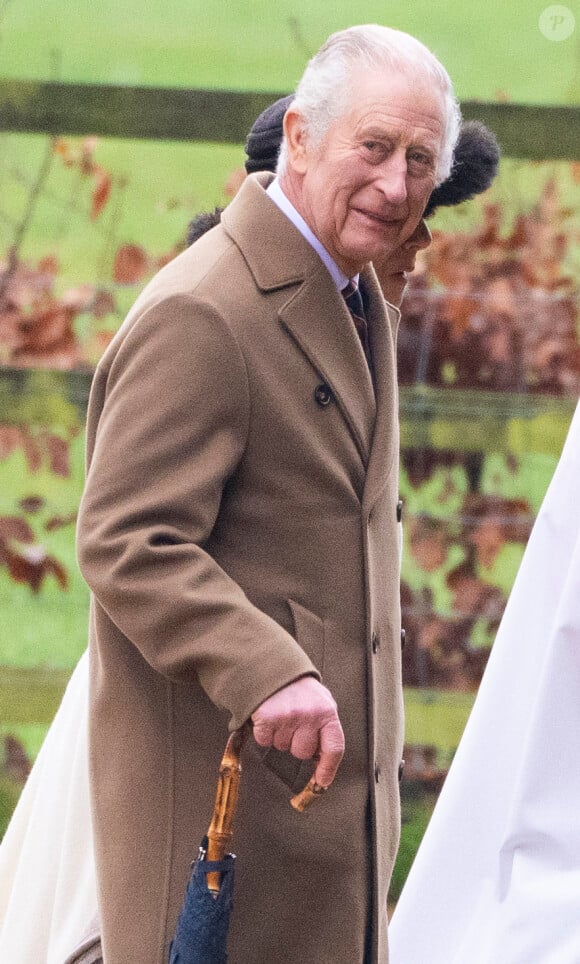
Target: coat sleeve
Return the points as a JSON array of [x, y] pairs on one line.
[[167, 425]]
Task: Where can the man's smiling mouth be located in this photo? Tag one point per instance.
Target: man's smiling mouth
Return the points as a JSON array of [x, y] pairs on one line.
[[380, 219]]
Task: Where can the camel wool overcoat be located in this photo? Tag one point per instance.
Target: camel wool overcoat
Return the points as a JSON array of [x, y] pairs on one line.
[[239, 529]]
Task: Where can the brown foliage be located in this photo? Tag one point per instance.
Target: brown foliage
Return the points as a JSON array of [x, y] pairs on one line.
[[40, 447], [16, 763], [131, 264], [439, 649], [101, 192], [38, 326], [27, 561], [32, 565], [496, 311], [82, 158]]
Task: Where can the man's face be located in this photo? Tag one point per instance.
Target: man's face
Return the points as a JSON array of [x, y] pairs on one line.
[[363, 190]]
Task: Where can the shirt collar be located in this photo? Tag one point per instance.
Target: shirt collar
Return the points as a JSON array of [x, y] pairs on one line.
[[277, 195]]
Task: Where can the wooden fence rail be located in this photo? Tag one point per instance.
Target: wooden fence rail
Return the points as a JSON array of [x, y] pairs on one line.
[[225, 116]]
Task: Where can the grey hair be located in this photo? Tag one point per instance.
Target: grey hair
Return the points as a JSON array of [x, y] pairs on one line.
[[323, 93]]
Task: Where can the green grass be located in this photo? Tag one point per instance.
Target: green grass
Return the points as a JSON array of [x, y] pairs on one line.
[[48, 628], [166, 184], [254, 44], [436, 717]]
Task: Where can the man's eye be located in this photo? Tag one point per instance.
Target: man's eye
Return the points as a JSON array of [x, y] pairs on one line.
[[375, 149], [421, 160]]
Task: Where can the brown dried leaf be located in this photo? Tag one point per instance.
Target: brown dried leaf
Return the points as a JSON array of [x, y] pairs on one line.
[[428, 545], [131, 264], [10, 440], [31, 451], [59, 522], [103, 304], [14, 527], [32, 503], [33, 565], [58, 453], [48, 337], [101, 192], [49, 265], [488, 539], [58, 570]]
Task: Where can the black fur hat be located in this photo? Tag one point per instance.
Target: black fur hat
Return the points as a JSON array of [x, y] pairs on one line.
[[475, 159], [475, 164], [265, 137], [202, 223]]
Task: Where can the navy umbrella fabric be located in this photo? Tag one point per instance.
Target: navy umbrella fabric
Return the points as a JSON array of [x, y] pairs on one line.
[[202, 929]]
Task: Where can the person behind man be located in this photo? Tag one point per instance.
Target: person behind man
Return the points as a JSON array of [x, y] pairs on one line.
[[238, 531]]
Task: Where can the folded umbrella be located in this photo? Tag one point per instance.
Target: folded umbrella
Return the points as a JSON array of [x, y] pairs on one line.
[[202, 928]]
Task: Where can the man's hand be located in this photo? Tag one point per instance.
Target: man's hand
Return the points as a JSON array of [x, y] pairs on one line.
[[302, 719]]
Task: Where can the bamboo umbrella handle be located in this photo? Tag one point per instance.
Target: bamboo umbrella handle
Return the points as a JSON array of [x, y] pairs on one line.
[[221, 829], [312, 791]]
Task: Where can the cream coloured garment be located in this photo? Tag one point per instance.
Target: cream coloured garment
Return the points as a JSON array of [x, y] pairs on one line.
[[47, 875], [497, 877]]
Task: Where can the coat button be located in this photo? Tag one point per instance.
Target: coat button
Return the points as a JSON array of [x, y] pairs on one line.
[[403, 638], [377, 773], [399, 511], [401, 770], [375, 642], [323, 395]]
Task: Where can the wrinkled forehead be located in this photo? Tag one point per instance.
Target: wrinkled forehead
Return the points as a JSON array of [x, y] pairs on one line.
[[394, 97]]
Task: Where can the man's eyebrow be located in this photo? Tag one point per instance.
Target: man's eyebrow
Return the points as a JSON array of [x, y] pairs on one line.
[[377, 133], [422, 146]]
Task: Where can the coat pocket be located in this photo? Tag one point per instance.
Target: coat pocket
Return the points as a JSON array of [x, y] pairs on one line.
[[309, 633]]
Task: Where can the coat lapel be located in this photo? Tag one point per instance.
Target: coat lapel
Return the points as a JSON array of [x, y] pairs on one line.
[[383, 324], [318, 320], [314, 314]]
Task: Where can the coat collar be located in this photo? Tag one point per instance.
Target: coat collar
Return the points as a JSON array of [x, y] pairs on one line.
[[316, 317]]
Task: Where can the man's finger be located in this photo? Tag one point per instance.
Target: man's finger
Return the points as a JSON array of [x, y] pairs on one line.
[[263, 732], [282, 738], [331, 749], [305, 743]]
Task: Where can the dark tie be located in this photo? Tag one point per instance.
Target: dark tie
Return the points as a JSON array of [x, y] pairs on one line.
[[354, 303]]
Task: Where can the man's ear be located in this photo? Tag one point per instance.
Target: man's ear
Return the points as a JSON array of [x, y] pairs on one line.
[[295, 135]]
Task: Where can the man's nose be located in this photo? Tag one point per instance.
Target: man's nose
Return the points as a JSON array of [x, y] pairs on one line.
[[392, 181]]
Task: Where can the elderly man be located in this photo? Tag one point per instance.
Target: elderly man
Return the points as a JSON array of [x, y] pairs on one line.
[[239, 531]]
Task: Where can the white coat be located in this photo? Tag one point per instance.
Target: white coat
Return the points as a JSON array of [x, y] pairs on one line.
[[497, 877]]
